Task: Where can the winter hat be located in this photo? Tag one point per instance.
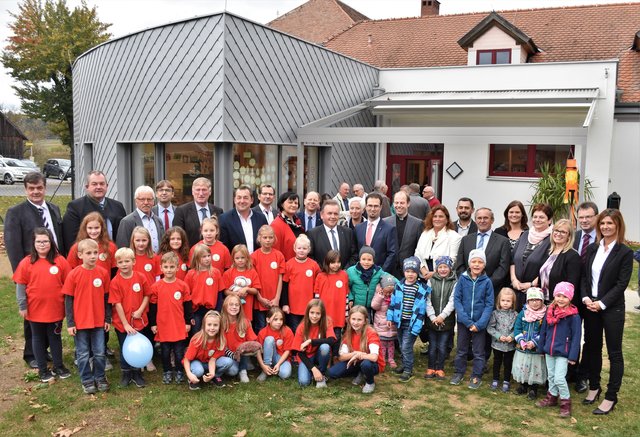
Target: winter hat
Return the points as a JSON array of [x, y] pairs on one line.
[[411, 263], [478, 253], [387, 281], [564, 288], [534, 293], [444, 260], [367, 249]]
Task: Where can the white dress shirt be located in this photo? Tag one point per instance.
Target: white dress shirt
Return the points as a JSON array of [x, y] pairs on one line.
[[247, 230]]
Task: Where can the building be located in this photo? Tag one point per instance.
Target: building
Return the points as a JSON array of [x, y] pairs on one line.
[[11, 139]]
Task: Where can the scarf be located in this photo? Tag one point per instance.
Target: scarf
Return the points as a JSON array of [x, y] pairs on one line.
[[555, 313], [535, 237], [366, 275], [531, 315], [294, 224]]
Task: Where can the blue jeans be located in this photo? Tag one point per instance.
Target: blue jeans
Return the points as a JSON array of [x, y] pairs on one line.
[[368, 368], [557, 376], [259, 320], [197, 315], [438, 341], [292, 321], [43, 334], [90, 341], [234, 367], [199, 369], [320, 359], [477, 340], [271, 357], [406, 341]]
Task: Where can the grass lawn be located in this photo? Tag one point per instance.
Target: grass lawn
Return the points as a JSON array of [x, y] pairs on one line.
[[419, 407], [7, 202]]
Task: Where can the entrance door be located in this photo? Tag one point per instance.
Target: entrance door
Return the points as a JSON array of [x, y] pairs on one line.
[[419, 163]]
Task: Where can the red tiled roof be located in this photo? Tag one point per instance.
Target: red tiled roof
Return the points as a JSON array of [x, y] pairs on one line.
[[317, 20], [579, 33]]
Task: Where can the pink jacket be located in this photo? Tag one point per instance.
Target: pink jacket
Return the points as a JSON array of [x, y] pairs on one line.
[[380, 305]]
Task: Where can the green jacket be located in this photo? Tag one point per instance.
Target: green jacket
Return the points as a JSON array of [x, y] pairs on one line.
[[359, 292]]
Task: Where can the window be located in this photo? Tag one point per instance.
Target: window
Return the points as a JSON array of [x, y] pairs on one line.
[[490, 57], [523, 160]]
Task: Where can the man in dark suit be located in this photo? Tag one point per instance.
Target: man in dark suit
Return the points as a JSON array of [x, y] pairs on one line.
[[377, 234], [310, 216], [464, 225], [587, 218], [419, 206], [266, 196], [165, 209], [94, 200], [241, 224], [189, 216], [408, 229], [144, 198], [330, 236], [19, 224]]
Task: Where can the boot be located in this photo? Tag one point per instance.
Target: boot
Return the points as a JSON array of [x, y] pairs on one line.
[[138, 380], [549, 401], [125, 379], [565, 407]]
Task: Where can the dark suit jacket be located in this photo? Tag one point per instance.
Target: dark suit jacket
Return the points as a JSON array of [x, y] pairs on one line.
[[576, 242], [128, 223], [258, 209], [568, 268], [303, 218], [498, 253], [186, 216], [320, 245], [384, 242], [529, 270], [406, 247], [418, 206], [473, 227], [231, 228], [80, 207], [19, 224], [614, 277]]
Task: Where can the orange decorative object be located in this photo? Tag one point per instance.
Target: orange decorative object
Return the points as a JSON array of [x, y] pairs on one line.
[[571, 187]]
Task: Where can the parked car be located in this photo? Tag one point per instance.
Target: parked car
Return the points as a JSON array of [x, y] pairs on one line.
[[31, 164], [12, 170], [59, 168]]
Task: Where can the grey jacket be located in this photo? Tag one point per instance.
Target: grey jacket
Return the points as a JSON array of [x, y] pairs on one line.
[[501, 323]]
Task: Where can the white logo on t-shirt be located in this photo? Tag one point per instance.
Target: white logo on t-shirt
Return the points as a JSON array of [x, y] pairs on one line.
[[210, 353], [209, 281], [274, 265], [339, 283], [97, 282], [54, 270], [147, 267], [177, 295], [309, 273], [102, 257], [183, 267], [136, 287], [216, 257]]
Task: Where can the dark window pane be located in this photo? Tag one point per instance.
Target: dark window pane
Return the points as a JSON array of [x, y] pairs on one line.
[[510, 158], [485, 58], [551, 154], [502, 57]]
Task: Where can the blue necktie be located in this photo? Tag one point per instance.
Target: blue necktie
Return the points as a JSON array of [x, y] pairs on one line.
[[481, 241], [309, 223], [333, 239]]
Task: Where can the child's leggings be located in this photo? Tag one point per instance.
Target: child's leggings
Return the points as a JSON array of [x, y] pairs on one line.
[[500, 358], [388, 350]]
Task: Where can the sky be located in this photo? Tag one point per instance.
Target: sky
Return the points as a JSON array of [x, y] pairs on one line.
[[129, 16]]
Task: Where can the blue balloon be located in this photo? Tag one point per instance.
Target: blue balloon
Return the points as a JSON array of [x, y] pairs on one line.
[[137, 350]]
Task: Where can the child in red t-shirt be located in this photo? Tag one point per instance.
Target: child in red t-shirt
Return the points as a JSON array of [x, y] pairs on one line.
[[205, 357], [205, 282], [237, 330], [332, 288], [269, 263], [313, 341], [147, 262], [276, 339], [39, 279], [93, 227], [299, 282], [242, 279], [129, 294], [220, 256], [88, 315], [170, 317], [359, 352], [175, 239]]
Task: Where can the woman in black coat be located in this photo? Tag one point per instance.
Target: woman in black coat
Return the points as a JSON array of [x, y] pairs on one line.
[[564, 263], [607, 271]]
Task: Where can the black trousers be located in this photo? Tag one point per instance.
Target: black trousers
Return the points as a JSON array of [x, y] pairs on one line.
[[499, 359], [43, 335]]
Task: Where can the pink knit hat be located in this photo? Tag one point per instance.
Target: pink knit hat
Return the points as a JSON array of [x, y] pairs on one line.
[[564, 288]]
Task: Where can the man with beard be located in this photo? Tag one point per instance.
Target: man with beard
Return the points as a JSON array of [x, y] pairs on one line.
[[464, 224]]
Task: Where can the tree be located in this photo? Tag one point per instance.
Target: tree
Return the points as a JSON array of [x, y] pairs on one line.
[[47, 38]]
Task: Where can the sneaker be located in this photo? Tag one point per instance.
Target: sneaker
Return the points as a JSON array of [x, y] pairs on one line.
[[194, 386], [150, 367], [217, 381], [250, 365], [457, 379], [33, 364], [46, 376], [137, 379], [262, 377], [321, 384], [359, 379], [440, 375], [103, 385], [430, 373], [89, 388], [475, 383], [62, 372], [125, 378], [180, 377], [244, 378], [406, 377], [399, 370], [369, 388], [506, 386], [167, 377], [494, 384], [108, 365]]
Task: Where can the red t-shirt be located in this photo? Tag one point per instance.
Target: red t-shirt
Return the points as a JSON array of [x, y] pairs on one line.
[[372, 338], [284, 238], [234, 340], [314, 333], [228, 279], [204, 286], [105, 260], [170, 298], [129, 293], [283, 338], [220, 256], [150, 267], [88, 288], [269, 267], [196, 351], [332, 290], [183, 266], [44, 281], [301, 277]]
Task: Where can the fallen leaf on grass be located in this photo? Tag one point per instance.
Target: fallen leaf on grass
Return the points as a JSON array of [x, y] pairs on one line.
[[31, 417], [127, 418], [594, 427], [574, 420], [268, 414], [524, 422], [459, 414], [378, 411], [295, 425], [66, 432], [240, 433]]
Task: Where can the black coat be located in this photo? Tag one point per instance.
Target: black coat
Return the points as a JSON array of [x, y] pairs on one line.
[[566, 268], [78, 208], [614, 277], [498, 253], [186, 216], [320, 245], [231, 232]]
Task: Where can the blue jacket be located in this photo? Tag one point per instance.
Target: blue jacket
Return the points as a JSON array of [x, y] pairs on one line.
[[563, 338], [527, 331], [419, 312], [473, 300]]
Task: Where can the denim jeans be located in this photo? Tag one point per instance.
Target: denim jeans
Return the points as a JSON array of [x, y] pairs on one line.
[[406, 340], [198, 315], [223, 364], [477, 341], [259, 320], [43, 334], [368, 368], [557, 376], [438, 341], [90, 341], [320, 359], [293, 320], [271, 357], [178, 351]]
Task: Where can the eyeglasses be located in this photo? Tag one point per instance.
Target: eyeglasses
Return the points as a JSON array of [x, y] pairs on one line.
[[586, 217], [145, 200], [42, 242], [165, 190], [558, 231]]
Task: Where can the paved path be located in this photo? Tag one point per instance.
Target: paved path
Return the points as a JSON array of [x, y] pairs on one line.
[[17, 189]]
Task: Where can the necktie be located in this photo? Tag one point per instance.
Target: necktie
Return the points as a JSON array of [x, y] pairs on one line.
[[585, 243], [310, 223], [369, 236], [268, 217], [334, 241], [203, 211], [166, 219], [481, 241], [44, 218]]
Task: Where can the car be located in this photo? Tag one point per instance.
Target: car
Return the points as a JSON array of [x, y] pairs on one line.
[[58, 167], [30, 163], [12, 170]]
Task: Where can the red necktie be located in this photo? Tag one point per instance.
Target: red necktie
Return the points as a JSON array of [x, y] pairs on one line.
[[166, 219], [585, 243], [369, 236]]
